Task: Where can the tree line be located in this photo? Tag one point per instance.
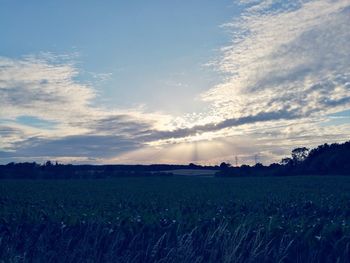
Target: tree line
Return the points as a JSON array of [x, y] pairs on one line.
[[326, 159], [54, 170]]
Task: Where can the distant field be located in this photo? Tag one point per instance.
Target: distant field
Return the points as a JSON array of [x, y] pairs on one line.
[[176, 219], [193, 172]]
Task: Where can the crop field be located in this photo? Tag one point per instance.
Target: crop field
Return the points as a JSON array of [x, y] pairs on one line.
[[176, 219]]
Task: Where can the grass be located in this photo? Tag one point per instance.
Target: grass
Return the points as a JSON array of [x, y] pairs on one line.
[[176, 219]]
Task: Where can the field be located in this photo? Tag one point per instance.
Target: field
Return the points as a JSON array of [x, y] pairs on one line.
[[176, 219], [193, 172]]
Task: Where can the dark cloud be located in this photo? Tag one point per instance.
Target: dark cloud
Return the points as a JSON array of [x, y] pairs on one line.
[[23, 97], [327, 102], [120, 124], [6, 132], [74, 146], [103, 146], [211, 127]]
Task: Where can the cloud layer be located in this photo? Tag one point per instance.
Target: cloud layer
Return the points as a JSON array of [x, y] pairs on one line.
[[45, 89], [293, 60]]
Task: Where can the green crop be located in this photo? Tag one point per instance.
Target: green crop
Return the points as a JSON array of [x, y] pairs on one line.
[[176, 219]]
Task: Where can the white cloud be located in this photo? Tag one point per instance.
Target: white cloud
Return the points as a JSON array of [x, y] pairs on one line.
[[287, 56], [38, 87], [292, 60], [46, 88]]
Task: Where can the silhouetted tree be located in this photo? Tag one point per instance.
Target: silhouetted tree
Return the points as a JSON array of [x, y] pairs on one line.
[[224, 165], [258, 165], [48, 163], [192, 166], [299, 154], [287, 161]]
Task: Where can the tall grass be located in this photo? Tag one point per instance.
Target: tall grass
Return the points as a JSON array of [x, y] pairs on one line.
[[96, 242]]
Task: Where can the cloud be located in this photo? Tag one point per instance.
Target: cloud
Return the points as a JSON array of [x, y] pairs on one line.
[[289, 60], [296, 58], [46, 86], [227, 123], [46, 111], [100, 146], [43, 87], [286, 71]]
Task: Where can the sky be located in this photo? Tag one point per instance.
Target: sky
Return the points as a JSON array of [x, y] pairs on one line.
[[172, 81]]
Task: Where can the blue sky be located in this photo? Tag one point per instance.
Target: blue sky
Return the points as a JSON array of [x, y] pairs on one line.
[[172, 81], [145, 45]]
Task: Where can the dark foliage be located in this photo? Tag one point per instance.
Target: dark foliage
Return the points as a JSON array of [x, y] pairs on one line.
[[60, 171], [176, 219], [326, 159], [94, 242]]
